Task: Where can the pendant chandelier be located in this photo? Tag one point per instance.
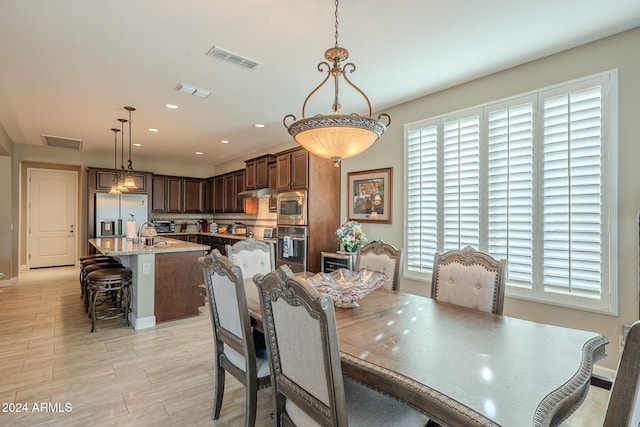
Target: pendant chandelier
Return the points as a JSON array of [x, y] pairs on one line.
[[336, 136], [114, 185], [122, 174], [129, 182]]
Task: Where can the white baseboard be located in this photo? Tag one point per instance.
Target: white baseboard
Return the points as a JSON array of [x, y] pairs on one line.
[[143, 322]]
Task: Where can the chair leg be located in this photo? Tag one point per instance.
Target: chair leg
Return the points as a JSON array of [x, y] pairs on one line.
[[219, 391], [93, 294], [251, 391]]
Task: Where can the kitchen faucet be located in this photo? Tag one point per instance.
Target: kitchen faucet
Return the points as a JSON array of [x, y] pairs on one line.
[[147, 224]]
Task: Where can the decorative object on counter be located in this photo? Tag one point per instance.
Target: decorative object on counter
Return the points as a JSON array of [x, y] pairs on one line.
[[369, 195], [336, 136], [213, 227], [347, 287], [350, 235], [129, 182]]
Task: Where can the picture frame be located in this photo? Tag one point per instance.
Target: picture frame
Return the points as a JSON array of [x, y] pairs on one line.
[[369, 195]]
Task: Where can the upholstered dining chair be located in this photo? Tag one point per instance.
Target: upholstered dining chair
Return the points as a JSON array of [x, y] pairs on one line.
[[308, 386], [232, 333], [469, 278], [253, 256], [381, 256], [623, 409]]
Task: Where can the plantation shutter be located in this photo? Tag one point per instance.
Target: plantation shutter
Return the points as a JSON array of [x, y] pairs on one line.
[[422, 191], [461, 183], [510, 192], [572, 216]]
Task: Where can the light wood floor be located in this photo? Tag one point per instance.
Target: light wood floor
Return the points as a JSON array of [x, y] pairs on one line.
[[117, 376]]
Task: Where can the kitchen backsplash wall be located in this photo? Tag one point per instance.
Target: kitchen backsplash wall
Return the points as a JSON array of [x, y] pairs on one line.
[[255, 223]]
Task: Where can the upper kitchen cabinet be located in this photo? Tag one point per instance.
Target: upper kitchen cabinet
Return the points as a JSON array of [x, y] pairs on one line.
[[292, 170], [194, 195], [273, 187], [174, 194], [257, 172], [158, 193], [102, 179]]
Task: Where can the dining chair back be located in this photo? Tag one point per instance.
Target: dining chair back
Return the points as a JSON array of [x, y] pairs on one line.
[[623, 409], [252, 256], [308, 386], [381, 256], [232, 333], [469, 278]]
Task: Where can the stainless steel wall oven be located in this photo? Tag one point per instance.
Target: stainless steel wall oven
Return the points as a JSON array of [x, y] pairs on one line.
[[292, 247]]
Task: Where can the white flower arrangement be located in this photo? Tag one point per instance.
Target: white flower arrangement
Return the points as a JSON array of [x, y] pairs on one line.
[[350, 235]]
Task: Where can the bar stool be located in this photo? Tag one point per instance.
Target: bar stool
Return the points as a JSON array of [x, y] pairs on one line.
[[101, 259], [94, 267], [115, 285]]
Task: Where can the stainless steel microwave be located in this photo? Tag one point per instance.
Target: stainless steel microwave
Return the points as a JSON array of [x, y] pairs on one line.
[[292, 208]]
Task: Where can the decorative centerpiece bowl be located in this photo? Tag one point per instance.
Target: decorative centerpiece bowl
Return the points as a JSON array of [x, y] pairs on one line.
[[347, 287]]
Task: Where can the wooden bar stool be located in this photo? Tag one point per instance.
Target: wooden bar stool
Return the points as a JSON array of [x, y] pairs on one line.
[[114, 284]]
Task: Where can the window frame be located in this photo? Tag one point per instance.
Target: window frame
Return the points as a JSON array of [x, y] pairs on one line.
[[607, 303]]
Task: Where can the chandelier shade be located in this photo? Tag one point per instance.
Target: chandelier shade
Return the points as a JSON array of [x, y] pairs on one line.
[[336, 136]]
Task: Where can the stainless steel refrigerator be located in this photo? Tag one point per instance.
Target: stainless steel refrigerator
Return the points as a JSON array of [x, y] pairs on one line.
[[114, 210]]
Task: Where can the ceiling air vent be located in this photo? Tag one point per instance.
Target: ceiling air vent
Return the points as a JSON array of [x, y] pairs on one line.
[[60, 142], [234, 58]]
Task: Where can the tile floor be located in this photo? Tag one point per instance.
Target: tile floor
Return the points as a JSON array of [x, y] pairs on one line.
[[60, 374]]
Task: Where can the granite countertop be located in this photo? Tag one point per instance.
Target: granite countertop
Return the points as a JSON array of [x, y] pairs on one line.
[[122, 246]]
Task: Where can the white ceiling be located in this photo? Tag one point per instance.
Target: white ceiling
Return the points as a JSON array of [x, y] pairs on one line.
[[68, 67]]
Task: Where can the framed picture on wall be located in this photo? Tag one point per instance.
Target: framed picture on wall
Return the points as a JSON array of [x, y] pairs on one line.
[[369, 195]]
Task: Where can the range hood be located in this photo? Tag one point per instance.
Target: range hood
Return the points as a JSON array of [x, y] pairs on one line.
[[262, 192]]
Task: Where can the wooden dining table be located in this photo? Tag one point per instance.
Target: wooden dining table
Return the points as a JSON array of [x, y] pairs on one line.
[[460, 366]]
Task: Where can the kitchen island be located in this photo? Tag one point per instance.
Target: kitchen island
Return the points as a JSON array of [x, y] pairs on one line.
[[166, 277]]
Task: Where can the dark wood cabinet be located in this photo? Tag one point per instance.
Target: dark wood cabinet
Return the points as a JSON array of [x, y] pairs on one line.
[[158, 196], [239, 186], [177, 285], [104, 180], [228, 196], [218, 194], [273, 187], [175, 194], [174, 197], [193, 195], [292, 170], [257, 172]]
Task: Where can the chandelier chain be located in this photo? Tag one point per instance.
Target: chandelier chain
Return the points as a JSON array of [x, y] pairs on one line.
[[336, 24]]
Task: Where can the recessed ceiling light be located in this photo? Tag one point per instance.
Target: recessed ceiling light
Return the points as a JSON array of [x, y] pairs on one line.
[[259, 125], [153, 130], [224, 141], [199, 153], [171, 106], [137, 144]]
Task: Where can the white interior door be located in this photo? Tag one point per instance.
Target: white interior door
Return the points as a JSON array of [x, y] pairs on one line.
[[51, 216]]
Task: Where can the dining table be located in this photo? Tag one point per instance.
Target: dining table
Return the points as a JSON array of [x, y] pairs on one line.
[[462, 367]]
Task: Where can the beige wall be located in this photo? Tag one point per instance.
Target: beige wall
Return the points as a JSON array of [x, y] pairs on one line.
[[620, 51]]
